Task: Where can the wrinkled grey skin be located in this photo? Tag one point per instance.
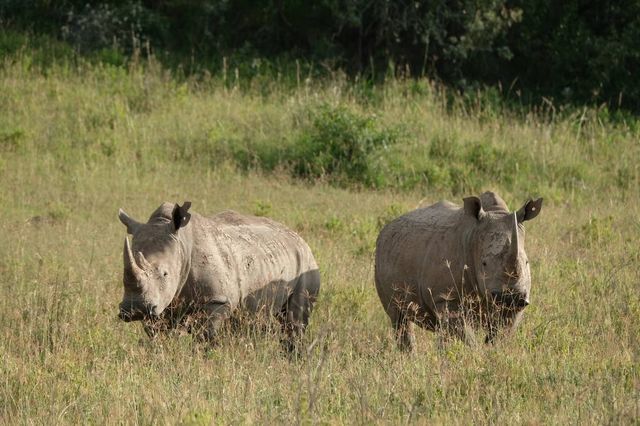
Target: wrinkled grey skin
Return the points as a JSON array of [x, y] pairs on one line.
[[181, 264], [447, 267]]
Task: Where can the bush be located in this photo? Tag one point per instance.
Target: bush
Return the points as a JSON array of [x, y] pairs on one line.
[[339, 145]]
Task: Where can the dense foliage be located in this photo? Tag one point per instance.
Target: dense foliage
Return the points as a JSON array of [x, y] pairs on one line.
[[579, 49], [575, 51]]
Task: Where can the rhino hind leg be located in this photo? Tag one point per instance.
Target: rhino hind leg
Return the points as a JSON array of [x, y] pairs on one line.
[[295, 318], [404, 331], [297, 310]]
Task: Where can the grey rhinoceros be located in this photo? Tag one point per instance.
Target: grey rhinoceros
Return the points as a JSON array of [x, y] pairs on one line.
[[447, 267], [182, 265]]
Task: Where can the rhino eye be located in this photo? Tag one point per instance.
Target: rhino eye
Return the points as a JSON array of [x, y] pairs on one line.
[[484, 263], [165, 273]]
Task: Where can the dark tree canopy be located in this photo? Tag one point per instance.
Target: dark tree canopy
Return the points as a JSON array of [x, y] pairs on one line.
[[575, 50]]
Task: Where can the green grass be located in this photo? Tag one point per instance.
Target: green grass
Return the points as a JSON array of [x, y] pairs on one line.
[[79, 141]]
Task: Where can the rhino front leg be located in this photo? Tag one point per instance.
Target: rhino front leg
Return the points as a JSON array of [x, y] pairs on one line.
[[454, 324], [216, 314]]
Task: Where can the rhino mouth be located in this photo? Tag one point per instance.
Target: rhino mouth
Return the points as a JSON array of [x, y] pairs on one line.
[[510, 299], [128, 314]]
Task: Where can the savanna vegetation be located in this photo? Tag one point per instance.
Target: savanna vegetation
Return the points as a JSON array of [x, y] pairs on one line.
[[334, 159]]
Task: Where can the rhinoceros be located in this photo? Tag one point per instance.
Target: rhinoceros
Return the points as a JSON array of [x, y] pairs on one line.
[[181, 265], [452, 268]]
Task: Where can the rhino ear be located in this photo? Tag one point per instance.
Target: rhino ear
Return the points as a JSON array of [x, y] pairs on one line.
[[529, 210], [473, 207], [180, 215], [131, 224]]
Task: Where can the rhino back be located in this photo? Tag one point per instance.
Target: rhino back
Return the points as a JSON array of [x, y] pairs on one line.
[[412, 253], [246, 259]]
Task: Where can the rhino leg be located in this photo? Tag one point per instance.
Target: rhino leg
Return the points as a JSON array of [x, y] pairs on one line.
[[455, 324], [216, 314], [404, 331], [295, 318], [296, 312], [458, 328]]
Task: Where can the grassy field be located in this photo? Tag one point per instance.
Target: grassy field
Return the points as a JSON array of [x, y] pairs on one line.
[[78, 141]]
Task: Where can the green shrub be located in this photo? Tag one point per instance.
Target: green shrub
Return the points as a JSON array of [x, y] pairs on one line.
[[339, 145], [11, 139]]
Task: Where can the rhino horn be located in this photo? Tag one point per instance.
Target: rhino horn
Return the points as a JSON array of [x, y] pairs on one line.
[[130, 266], [513, 250]]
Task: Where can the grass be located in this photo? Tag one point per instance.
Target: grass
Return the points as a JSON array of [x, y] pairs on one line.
[[79, 141]]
